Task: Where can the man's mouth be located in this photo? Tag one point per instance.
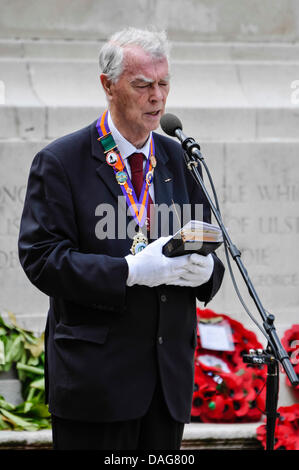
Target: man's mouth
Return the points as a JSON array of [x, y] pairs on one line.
[[153, 113]]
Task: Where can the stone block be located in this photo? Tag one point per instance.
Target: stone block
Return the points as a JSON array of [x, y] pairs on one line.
[[10, 389], [22, 122], [18, 295], [202, 436], [26, 440], [208, 20], [218, 436], [226, 98]]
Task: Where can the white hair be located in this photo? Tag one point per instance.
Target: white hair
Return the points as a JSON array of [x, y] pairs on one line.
[[112, 53]]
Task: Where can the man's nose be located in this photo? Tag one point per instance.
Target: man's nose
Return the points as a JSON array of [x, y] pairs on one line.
[[156, 93]]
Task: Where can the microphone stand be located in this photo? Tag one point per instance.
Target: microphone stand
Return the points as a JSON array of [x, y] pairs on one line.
[[274, 352]]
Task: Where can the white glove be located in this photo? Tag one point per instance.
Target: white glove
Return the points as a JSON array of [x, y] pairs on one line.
[[151, 268], [198, 271]]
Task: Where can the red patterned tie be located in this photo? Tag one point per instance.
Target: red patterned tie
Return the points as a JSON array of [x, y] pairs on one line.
[[137, 178]]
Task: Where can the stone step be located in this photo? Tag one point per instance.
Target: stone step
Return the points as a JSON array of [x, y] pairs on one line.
[[228, 91], [194, 84], [215, 20], [202, 436], [87, 50]]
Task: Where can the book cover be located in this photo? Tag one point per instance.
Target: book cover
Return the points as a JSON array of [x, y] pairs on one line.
[[195, 237]]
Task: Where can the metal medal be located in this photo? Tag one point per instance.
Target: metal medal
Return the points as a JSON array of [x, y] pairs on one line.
[[149, 177], [140, 241], [112, 158], [121, 177], [153, 161]]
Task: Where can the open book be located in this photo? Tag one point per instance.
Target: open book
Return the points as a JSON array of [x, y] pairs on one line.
[[195, 237]]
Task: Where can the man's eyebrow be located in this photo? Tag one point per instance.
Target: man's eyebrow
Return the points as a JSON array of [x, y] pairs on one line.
[[142, 78]]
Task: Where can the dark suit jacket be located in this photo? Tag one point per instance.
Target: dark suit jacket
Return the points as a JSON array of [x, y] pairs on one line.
[[106, 343]]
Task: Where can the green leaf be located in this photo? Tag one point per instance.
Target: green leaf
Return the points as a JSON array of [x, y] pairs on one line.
[[29, 338], [37, 348], [20, 422], [21, 349], [22, 375], [32, 361], [3, 424], [42, 357], [28, 335], [7, 366], [34, 370], [5, 404], [15, 349], [5, 325], [28, 404], [2, 353], [39, 384], [40, 410]]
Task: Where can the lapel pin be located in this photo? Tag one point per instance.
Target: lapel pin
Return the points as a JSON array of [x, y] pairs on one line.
[[168, 179]]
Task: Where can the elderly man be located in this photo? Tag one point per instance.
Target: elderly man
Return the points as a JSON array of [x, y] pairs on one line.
[[121, 327]]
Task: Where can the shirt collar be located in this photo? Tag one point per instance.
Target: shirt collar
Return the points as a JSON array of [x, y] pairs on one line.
[[124, 146]]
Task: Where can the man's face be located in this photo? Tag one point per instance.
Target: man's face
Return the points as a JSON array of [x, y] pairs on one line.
[[137, 100]]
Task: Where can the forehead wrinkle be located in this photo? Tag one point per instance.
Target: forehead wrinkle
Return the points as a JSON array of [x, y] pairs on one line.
[[136, 58]]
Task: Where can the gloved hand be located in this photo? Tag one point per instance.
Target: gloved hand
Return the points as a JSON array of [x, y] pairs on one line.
[[197, 272], [151, 268]]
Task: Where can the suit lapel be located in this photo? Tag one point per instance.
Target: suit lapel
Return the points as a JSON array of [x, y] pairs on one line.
[[163, 177], [163, 181], [103, 170]]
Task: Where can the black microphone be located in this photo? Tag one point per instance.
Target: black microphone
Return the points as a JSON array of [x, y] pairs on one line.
[[172, 126]]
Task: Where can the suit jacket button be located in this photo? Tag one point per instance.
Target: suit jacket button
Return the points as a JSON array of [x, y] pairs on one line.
[[163, 298], [160, 340]]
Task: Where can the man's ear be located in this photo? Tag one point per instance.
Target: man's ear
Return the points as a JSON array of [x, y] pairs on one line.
[[106, 84]]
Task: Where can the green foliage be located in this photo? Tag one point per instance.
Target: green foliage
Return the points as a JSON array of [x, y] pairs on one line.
[[21, 350]]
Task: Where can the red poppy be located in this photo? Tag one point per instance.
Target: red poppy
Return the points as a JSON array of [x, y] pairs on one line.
[[290, 342], [226, 389], [286, 429], [214, 407]]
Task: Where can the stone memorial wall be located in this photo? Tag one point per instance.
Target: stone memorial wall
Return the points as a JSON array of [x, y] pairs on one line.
[[259, 198]]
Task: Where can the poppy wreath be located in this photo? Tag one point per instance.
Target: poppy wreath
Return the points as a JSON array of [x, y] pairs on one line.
[[290, 342], [286, 435], [228, 390]]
